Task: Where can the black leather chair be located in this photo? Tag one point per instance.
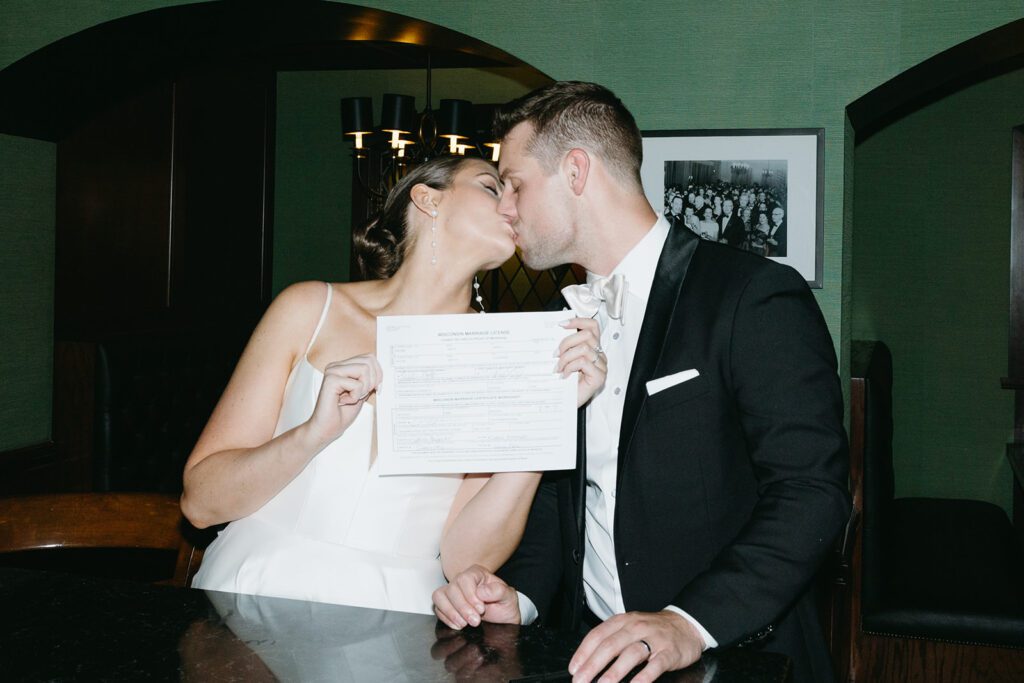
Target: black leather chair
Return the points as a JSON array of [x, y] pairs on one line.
[[153, 396], [935, 586]]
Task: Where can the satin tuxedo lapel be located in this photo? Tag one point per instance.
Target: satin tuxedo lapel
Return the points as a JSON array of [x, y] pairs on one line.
[[577, 483], [661, 306]]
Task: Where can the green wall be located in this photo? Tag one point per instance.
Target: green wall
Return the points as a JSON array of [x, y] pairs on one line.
[[313, 165], [731, 65], [675, 64], [931, 254], [27, 193]]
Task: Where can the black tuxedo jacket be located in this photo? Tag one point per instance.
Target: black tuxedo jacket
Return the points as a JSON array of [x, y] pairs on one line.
[[731, 486], [734, 231], [779, 248]]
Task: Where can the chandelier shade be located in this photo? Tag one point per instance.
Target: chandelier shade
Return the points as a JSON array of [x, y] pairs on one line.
[[411, 137], [356, 116], [398, 113], [455, 120]]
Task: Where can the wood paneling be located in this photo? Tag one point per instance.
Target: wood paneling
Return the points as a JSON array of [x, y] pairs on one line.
[[906, 660], [113, 207], [163, 230], [163, 208], [220, 196]]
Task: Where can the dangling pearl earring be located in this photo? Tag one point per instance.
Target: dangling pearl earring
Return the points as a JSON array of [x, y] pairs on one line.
[[476, 294], [433, 237]]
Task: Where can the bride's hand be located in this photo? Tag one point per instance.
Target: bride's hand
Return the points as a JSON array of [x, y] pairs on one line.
[[580, 352], [345, 388]]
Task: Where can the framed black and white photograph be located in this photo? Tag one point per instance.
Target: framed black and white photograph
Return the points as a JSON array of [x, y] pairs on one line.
[[757, 190]]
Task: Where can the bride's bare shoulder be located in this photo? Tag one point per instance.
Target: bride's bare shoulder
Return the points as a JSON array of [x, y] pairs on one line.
[[300, 305], [358, 298], [300, 299], [290, 320]]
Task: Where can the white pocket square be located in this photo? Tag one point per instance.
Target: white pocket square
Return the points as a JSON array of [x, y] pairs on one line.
[[663, 383]]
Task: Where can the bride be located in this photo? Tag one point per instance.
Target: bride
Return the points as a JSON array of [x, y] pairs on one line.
[[288, 456]]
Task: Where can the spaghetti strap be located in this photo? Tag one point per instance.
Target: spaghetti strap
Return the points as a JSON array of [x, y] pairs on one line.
[[323, 317]]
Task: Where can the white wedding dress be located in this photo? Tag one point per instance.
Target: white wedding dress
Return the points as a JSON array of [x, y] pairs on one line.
[[338, 532]]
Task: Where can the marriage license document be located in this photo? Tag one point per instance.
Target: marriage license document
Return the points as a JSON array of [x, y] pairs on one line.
[[474, 393]]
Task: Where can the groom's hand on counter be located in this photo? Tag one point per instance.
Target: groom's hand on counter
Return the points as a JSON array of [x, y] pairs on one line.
[[657, 641], [476, 595]]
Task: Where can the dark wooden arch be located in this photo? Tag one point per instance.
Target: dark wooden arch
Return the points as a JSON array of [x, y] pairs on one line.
[[989, 54], [50, 91]]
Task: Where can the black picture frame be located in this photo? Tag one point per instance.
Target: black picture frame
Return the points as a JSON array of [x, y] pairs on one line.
[[786, 163]]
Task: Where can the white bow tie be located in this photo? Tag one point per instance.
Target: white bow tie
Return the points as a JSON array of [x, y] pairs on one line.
[[586, 299]]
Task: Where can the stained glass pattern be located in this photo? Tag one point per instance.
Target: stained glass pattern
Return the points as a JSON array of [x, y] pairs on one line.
[[514, 287]]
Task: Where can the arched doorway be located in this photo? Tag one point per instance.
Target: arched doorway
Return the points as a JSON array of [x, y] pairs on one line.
[[930, 258], [166, 132]]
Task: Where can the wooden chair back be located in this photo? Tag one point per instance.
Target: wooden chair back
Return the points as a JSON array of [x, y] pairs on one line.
[[99, 520], [870, 656]]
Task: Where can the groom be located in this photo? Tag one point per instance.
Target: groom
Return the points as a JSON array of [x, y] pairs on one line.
[[712, 478]]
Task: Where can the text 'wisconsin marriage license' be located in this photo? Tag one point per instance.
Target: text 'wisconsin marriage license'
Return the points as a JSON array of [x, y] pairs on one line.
[[474, 393]]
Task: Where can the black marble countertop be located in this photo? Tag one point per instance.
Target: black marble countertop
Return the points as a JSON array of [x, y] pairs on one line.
[[58, 627]]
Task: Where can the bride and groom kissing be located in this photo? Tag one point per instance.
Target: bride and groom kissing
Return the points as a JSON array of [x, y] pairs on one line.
[[711, 468]]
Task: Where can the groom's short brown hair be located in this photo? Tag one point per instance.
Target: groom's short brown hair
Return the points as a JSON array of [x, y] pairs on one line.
[[570, 114]]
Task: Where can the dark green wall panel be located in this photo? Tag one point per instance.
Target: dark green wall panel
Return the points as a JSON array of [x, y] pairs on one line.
[[26, 289]]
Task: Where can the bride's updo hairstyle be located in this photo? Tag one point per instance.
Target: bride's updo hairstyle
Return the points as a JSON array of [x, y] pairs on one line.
[[383, 243]]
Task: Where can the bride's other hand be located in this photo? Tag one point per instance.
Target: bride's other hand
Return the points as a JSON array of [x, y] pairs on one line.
[[345, 388], [580, 352]]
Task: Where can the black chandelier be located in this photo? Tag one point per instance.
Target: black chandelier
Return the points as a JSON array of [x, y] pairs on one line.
[[406, 138]]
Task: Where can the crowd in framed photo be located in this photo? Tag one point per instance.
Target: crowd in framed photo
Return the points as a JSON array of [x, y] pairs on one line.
[[749, 217]]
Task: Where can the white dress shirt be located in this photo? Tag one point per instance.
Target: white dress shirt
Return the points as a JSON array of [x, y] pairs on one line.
[[604, 420]]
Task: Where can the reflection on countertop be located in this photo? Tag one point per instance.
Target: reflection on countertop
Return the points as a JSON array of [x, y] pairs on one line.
[[62, 627]]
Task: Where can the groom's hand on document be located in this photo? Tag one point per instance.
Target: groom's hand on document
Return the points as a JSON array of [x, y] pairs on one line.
[[345, 388], [476, 595], [581, 352]]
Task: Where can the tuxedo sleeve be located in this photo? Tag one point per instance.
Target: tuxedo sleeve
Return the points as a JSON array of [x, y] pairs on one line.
[[535, 568], [787, 396]]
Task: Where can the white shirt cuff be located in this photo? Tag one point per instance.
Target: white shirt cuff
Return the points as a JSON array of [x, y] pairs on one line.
[[709, 640], [527, 610]]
